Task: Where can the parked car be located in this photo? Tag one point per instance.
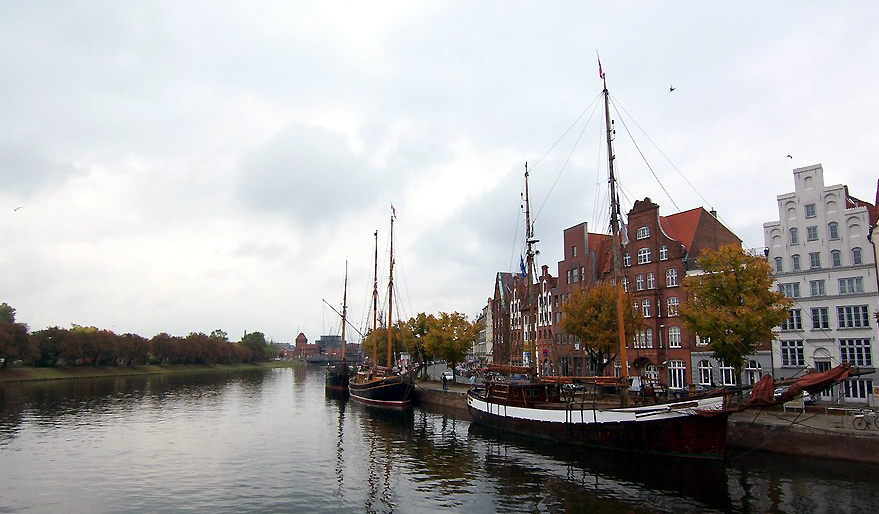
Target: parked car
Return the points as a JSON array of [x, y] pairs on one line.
[[807, 396]]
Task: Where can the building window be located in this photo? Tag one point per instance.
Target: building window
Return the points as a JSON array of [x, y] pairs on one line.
[[642, 233], [832, 230], [651, 281], [575, 275], [814, 260], [792, 354], [644, 338], [644, 256], [860, 389], [794, 320], [639, 282], [852, 316], [705, 373], [702, 341], [574, 250], [856, 256], [794, 237], [676, 374], [790, 289], [795, 262], [625, 283], [672, 306], [671, 278], [820, 318], [852, 285], [856, 352], [674, 337], [663, 253], [753, 372], [778, 265], [810, 210], [645, 307], [627, 259], [812, 233], [816, 288], [835, 258], [727, 374]]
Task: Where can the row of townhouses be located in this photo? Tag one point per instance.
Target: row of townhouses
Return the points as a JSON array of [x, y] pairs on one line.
[[822, 256]]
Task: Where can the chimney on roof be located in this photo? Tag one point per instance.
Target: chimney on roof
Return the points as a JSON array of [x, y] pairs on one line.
[[713, 212]]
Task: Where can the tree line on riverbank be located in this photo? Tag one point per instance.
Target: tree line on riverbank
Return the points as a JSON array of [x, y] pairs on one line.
[[90, 346]]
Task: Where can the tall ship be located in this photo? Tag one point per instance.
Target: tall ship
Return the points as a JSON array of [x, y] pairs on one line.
[[339, 372], [515, 399], [384, 386]]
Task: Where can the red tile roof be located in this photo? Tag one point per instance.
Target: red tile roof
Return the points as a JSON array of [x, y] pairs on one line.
[[682, 226]]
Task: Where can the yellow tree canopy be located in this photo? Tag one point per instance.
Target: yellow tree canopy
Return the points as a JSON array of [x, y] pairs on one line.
[[732, 303], [591, 315]]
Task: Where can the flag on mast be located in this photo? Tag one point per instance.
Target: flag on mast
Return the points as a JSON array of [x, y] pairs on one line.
[[600, 71]]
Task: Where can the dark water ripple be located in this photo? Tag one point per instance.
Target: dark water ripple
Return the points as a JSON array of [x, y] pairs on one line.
[[272, 441]]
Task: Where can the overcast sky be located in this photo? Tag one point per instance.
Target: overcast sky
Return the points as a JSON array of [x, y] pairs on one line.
[[187, 166]]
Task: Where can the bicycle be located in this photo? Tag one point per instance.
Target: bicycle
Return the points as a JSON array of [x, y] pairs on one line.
[[865, 418]]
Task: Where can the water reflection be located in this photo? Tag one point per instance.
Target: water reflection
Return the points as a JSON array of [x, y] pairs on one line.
[[275, 442]]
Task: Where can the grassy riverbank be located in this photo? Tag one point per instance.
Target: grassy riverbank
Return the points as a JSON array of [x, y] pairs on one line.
[[25, 373]]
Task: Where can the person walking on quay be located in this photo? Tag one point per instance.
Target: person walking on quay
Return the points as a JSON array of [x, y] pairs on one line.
[[473, 381], [445, 383]]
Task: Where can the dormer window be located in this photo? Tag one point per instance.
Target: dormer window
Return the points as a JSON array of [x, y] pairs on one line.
[[642, 233]]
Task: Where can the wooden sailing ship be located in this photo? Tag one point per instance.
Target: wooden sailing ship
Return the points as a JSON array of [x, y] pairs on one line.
[[383, 385]]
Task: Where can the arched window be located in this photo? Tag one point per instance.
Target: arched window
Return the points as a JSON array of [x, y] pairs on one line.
[[835, 258], [671, 277], [672, 307], [856, 256], [643, 255], [794, 237], [833, 230], [779, 266], [795, 262]]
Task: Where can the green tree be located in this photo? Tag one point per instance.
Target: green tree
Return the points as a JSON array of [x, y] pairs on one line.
[[7, 313], [732, 303], [449, 337], [257, 347], [591, 316]]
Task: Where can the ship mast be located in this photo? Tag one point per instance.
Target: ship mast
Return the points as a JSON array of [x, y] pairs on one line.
[[375, 307], [391, 292], [344, 309], [615, 232], [529, 241]]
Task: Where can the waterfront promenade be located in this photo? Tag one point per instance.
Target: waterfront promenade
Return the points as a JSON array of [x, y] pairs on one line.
[[817, 431]]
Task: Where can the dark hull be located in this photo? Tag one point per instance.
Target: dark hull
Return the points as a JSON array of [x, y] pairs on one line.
[[337, 381], [693, 436], [393, 391]]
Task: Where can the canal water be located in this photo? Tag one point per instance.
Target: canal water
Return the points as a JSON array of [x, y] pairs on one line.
[[272, 441]]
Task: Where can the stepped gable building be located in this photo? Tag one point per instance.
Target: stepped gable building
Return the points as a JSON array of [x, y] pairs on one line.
[[822, 252], [499, 305]]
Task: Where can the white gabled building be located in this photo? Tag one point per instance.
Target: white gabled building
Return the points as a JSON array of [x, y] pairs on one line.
[[822, 257]]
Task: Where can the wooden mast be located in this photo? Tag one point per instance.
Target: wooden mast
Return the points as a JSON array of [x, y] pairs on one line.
[[614, 227], [375, 307], [529, 240], [344, 309], [391, 291]]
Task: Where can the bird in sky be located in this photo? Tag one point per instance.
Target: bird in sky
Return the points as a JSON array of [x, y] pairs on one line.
[[789, 156], [671, 88], [17, 208]]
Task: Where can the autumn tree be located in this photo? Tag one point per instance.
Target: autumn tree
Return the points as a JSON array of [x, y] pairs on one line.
[[378, 338], [15, 341], [732, 303], [449, 337], [590, 314], [256, 345]]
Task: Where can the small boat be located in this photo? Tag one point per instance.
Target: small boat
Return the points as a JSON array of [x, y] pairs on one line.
[[339, 373], [383, 385]]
